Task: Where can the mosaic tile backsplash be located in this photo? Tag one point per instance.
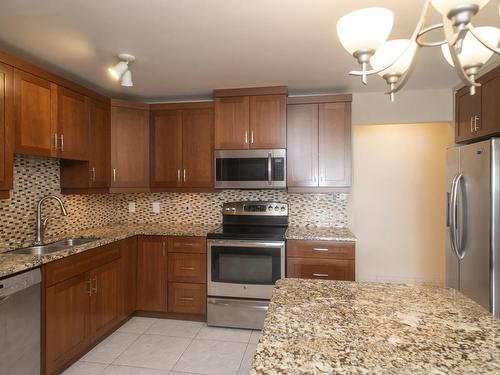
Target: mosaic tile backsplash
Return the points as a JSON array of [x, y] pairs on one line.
[[37, 177]]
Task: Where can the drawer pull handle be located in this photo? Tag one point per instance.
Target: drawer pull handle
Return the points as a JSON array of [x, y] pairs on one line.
[[320, 274], [185, 244], [319, 249], [187, 268], [186, 299]]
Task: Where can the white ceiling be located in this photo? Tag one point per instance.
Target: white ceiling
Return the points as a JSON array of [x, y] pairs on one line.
[[186, 48]]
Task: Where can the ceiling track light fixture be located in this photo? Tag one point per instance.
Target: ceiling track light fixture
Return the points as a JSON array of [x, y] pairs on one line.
[[122, 71], [363, 33]]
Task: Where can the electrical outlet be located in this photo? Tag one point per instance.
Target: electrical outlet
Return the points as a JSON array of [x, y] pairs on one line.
[[131, 207], [188, 207], [156, 207]]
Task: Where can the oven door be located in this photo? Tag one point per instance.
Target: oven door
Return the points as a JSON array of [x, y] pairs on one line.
[[250, 169], [244, 269]]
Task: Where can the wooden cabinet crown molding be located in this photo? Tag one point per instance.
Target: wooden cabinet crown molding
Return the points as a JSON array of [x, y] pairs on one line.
[[27, 67], [129, 104], [251, 91], [208, 104], [310, 99]]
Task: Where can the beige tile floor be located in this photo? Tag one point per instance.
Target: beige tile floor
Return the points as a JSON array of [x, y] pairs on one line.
[[147, 346]]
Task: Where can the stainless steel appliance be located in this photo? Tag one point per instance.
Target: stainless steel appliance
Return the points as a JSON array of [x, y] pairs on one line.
[[250, 169], [246, 256], [20, 324], [473, 222]]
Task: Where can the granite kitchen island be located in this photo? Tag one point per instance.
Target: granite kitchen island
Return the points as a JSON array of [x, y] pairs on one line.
[[330, 327]]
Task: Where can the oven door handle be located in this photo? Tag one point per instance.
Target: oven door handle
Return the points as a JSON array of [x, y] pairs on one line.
[[229, 303], [243, 243], [269, 168]]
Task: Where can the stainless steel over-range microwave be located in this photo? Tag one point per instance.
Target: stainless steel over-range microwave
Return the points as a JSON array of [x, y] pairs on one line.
[[250, 169]]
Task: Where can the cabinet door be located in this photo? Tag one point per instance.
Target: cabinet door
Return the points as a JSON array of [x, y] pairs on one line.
[[335, 144], [268, 121], [187, 298], [106, 299], [72, 125], [197, 148], [468, 109], [152, 273], [232, 118], [35, 104], [129, 148], [66, 324], [489, 121], [129, 275], [99, 144], [6, 130], [302, 141], [166, 148]]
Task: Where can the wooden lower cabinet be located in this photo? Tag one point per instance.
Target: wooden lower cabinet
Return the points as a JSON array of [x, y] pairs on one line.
[[82, 304], [66, 322], [152, 274], [129, 275], [106, 298], [187, 298], [329, 260]]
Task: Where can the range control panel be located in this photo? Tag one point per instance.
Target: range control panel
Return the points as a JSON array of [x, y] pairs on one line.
[[255, 208]]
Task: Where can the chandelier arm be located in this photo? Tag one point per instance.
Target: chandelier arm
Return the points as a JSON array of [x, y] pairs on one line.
[[421, 23], [482, 41], [422, 32], [452, 40]]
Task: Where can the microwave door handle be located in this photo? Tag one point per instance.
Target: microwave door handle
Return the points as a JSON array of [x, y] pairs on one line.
[[269, 168]]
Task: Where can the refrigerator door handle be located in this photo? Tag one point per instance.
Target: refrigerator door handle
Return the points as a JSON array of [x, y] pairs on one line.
[[461, 230], [454, 233]]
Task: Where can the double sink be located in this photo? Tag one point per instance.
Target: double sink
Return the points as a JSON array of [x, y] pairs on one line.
[[54, 246]]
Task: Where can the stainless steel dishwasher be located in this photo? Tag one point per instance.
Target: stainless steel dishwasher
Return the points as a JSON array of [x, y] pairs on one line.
[[20, 324]]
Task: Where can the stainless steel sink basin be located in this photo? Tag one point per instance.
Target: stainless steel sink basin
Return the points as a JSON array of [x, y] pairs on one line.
[[54, 246]]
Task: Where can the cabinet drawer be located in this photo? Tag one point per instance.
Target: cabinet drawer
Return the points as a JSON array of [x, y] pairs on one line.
[[73, 265], [187, 268], [328, 269], [187, 245], [320, 249], [187, 298]]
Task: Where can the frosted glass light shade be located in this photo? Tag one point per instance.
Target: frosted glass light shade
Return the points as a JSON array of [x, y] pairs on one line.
[[365, 28], [444, 6], [127, 79], [118, 70], [389, 51], [473, 52]]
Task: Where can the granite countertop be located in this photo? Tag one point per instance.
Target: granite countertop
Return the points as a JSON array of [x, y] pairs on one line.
[[340, 327], [13, 263], [319, 233]]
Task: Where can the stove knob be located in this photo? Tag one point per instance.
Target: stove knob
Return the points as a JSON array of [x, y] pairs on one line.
[[283, 209], [276, 208], [270, 208]]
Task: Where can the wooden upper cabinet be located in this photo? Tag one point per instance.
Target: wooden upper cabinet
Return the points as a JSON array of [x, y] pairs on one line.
[[6, 130], [72, 125], [489, 121], [268, 121], [335, 144], [152, 273], [232, 120], [302, 140], [129, 146], [166, 148], [99, 143], [35, 104], [197, 148], [468, 114]]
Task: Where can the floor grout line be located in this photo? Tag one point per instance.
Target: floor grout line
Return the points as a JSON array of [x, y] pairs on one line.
[[242, 358], [184, 351]]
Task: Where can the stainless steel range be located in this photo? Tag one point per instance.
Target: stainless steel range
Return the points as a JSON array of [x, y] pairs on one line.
[[246, 256]]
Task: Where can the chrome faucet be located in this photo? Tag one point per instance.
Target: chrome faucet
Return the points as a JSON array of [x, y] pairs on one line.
[[41, 225]]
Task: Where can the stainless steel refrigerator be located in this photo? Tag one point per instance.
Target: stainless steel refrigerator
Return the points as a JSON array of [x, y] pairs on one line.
[[472, 222]]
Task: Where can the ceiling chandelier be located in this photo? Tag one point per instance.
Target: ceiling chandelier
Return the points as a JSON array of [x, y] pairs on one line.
[[363, 33]]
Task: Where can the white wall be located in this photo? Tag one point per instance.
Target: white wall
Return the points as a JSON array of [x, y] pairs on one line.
[[397, 202], [409, 107]]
